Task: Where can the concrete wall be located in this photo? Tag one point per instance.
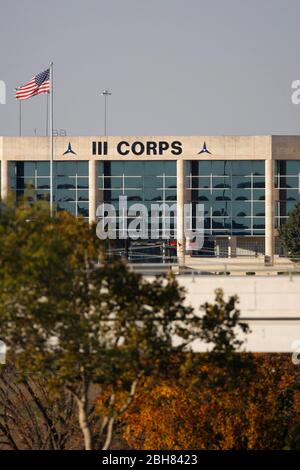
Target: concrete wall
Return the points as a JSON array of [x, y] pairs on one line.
[[270, 305], [221, 147]]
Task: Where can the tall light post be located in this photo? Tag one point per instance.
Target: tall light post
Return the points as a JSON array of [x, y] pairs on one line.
[[105, 93]]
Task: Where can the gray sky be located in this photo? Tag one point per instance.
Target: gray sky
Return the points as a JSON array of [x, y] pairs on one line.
[[174, 66]]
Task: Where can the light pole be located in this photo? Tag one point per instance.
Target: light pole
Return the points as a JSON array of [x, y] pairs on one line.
[[105, 93]]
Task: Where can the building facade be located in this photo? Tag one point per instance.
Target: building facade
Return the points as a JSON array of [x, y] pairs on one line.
[[247, 185]]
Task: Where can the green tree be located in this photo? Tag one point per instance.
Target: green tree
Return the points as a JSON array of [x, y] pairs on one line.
[[289, 233], [78, 321], [220, 324]]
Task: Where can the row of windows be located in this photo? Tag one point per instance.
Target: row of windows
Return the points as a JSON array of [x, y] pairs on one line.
[[225, 167], [138, 183], [40, 169], [150, 194], [210, 182], [286, 182], [44, 183], [243, 209], [228, 195], [137, 168], [31, 182], [231, 190], [59, 195], [287, 167], [287, 179]]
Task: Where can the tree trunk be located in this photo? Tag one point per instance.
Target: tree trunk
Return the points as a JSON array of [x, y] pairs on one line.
[[82, 403], [109, 434]]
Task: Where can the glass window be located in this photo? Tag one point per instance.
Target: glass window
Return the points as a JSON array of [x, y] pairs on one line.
[[258, 209], [241, 168], [82, 169], [151, 182], [133, 182], [219, 223], [170, 195], [258, 182], [82, 183], [28, 169], [241, 194], [290, 167], [218, 167], [43, 168], [130, 168], [241, 209], [219, 182], [152, 194], [82, 195], [200, 182], [12, 169], [170, 168], [133, 195], [65, 169], [221, 195], [258, 195], [65, 183], [241, 223], [114, 195], [114, 182], [219, 209], [241, 182], [289, 195], [170, 182], [66, 195], [203, 195], [258, 167], [154, 167], [258, 223], [288, 182], [32, 180], [43, 183], [115, 168], [204, 168]]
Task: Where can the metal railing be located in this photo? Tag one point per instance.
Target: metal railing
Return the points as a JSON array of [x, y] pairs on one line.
[[216, 269]]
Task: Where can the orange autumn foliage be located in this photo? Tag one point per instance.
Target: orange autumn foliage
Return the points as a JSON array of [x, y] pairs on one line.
[[255, 413]]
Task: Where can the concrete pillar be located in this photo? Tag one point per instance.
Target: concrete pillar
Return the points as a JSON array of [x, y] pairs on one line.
[[92, 191], [4, 179], [232, 243], [269, 209], [180, 212]]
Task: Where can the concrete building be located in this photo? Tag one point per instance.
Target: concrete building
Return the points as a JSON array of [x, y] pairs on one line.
[[247, 185]]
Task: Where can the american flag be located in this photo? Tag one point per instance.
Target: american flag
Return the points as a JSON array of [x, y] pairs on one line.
[[38, 84]]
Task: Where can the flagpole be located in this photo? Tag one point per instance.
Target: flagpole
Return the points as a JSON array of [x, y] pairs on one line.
[[20, 118], [20, 114], [51, 138], [47, 115]]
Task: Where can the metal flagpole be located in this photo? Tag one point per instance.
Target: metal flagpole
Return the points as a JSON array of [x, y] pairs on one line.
[[105, 93], [20, 115], [20, 118], [47, 114], [51, 138]]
